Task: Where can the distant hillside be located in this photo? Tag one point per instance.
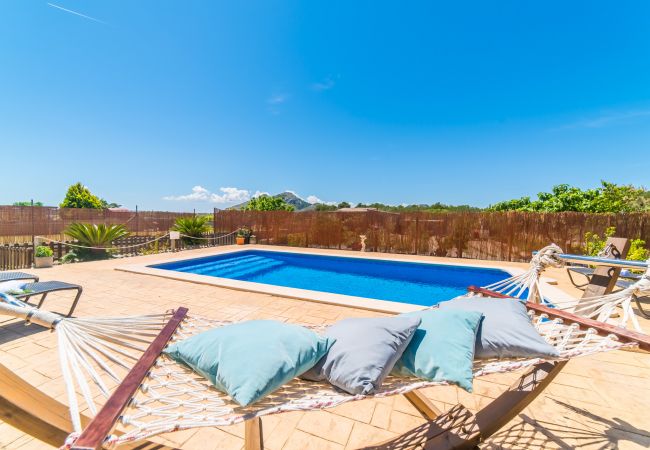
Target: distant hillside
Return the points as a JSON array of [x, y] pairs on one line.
[[288, 197]]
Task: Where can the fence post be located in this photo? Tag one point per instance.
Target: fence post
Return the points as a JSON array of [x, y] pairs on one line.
[[33, 237], [137, 223], [214, 226]]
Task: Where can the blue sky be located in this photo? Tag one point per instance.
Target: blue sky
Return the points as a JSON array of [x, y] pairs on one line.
[[398, 102]]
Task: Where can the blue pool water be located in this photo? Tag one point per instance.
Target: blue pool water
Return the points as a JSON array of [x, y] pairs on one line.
[[404, 282]]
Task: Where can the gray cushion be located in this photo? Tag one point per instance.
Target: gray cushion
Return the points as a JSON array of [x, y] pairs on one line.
[[506, 330], [364, 352]]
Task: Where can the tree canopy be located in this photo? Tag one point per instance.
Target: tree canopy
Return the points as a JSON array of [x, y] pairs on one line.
[[29, 203], [79, 196], [267, 203], [608, 198], [434, 207]]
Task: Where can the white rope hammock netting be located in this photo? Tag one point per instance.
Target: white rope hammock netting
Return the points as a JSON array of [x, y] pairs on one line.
[[96, 353], [601, 307], [173, 398]]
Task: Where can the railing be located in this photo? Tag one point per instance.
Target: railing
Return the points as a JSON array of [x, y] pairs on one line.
[[19, 256]]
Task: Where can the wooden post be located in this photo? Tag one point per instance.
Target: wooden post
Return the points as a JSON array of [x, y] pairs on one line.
[[137, 223], [214, 226], [253, 438], [33, 237]]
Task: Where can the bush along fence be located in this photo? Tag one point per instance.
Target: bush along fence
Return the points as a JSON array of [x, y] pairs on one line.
[[20, 256], [504, 236]]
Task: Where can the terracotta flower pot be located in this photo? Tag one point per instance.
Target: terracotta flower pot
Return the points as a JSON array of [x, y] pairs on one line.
[[41, 262], [241, 240]]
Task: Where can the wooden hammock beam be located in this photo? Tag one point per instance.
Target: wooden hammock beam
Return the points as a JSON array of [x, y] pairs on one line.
[[623, 334], [94, 434]]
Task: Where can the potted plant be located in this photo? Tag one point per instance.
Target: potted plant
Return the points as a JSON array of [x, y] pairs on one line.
[[242, 235], [44, 257]]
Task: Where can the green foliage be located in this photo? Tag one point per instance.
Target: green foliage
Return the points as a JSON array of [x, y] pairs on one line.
[[79, 196], [43, 251], [27, 203], [434, 207], [267, 203], [324, 207], [244, 232], [608, 198], [195, 227], [90, 235], [343, 205], [594, 244], [70, 257]]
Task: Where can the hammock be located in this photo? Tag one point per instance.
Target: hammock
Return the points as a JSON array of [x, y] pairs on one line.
[[601, 308], [159, 396]]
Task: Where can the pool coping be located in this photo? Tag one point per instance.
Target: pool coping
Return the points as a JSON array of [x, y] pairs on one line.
[[350, 301]]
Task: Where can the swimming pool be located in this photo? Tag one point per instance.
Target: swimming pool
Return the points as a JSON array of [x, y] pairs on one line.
[[405, 282]]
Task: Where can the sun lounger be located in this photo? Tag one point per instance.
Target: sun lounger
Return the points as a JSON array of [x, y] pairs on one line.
[[15, 276], [41, 288]]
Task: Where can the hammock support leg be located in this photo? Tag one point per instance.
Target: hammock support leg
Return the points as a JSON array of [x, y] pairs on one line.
[[458, 428], [423, 404], [253, 436]]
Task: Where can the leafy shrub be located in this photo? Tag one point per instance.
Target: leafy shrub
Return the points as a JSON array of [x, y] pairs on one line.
[[608, 198], [594, 244], [79, 196], [267, 203], [244, 232], [43, 251], [192, 228], [90, 235], [70, 257]]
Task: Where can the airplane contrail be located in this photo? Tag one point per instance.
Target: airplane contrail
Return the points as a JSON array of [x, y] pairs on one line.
[[76, 13]]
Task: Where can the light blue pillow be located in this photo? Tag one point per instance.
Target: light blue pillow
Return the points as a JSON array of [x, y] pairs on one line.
[[506, 330], [364, 353], [442, 348], [249, 360]]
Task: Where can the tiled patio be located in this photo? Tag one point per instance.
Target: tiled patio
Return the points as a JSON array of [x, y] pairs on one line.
[[598, 402]]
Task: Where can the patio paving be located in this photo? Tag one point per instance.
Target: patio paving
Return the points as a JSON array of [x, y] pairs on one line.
[[598, 402]]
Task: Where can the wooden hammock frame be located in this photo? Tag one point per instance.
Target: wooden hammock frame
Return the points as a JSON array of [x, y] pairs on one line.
[[458, 428]]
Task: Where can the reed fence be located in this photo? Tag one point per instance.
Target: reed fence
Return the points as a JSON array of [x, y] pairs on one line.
[[19, 223], [505, 236]]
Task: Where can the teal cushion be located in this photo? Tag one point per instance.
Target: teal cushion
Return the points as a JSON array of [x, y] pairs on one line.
[[442, 348], [249, 360]]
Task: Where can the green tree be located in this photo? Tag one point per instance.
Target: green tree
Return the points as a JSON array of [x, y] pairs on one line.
[[79, 196], [324, 207], [608, 198], [267, 203], [27, 203], [343, 205]]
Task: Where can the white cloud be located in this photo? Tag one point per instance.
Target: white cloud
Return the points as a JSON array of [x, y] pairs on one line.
[[607, 119], [277, 99], [313, 199], [199, 193], [324, 85], [274, 102]]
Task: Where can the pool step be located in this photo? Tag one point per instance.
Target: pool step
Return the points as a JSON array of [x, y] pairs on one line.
[[215, 265], [238, 267]]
